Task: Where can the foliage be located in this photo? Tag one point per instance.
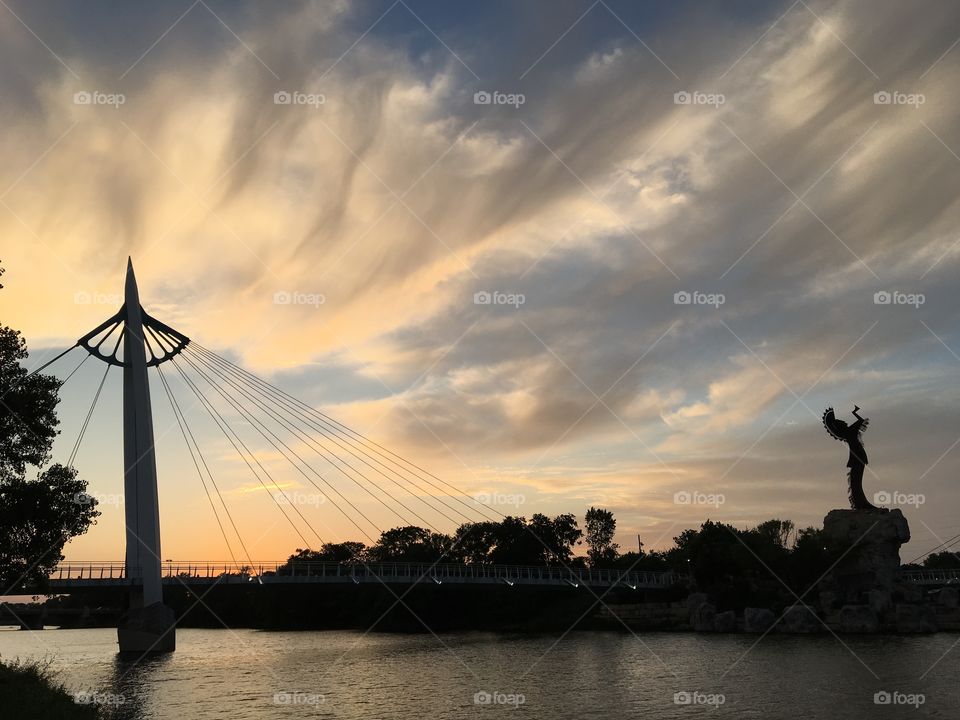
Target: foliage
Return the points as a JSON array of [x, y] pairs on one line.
[[601, 527], [946, 560], [38, 516], [410, 544], [28, 690]]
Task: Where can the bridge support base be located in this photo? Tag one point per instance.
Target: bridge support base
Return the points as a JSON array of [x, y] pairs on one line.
[[150, 629]]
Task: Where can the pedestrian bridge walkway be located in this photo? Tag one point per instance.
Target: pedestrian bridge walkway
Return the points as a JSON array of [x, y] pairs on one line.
[[78, 575]]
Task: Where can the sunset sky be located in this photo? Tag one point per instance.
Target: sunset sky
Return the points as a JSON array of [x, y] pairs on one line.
[[782, 163]]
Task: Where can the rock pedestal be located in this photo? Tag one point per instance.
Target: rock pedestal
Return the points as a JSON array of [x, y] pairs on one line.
[[867, 572], [864, 584]]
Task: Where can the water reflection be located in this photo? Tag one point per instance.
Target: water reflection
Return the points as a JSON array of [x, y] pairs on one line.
[[252, 675], [134, 679]]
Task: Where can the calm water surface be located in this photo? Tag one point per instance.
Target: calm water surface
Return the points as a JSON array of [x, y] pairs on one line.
[[246, 674]]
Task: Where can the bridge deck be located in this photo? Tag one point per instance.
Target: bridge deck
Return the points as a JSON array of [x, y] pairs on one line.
[[74, 575]]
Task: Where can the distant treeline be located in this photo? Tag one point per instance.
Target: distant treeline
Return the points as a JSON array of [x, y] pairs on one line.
[[716, 554], [716, 549]]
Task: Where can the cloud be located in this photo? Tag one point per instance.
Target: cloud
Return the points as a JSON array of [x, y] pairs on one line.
[[397, 199]]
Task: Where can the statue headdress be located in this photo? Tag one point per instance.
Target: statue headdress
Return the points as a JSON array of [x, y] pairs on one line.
[[830, 422]]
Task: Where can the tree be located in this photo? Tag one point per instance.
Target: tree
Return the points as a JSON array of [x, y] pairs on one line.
[[474, 542], [410, 544], [540, 541], [601, 526], [38, 516], [946, 560], [776, 532]]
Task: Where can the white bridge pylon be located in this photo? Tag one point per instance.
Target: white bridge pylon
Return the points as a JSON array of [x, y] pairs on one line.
[[141, 505]]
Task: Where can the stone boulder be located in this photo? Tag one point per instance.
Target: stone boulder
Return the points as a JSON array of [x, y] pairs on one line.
[[801, 620], [948, 597], [827, 600], [858, 619], [757, 620], [881, 601], [702, 618], [695, 600], [916, 619], [725, 622]]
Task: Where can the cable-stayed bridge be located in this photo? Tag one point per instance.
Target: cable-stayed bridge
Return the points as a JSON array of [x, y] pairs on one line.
[[348, 470]]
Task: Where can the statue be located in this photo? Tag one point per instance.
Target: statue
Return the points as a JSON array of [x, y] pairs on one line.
[[850, 434]]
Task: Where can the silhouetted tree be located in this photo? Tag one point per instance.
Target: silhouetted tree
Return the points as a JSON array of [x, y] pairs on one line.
[[540, 541], [410, 544], [515, 545], [777, 532], [601, 526], [946, 560], [559, 535], [38, 516], [349, 551], [474, 542]]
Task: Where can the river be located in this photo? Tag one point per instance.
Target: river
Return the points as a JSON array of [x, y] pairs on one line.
[[247, 674]]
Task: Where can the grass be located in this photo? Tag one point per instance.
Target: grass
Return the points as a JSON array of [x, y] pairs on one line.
[[28, 689]]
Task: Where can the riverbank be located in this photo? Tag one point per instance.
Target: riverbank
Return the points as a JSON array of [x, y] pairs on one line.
[[29, 690]]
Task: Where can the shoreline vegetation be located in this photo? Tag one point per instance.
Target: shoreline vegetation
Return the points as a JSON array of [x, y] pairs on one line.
[[29, 689]]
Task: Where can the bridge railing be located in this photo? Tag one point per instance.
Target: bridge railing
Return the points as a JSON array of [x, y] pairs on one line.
[[438, 572], [931, 576]]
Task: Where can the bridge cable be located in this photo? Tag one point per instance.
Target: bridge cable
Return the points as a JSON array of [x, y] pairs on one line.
[[335, 426], [46, 364], [308, 423], [225, 508], [51, 362], [93, 405], [224, 429], [175, 406], [372, 442], [86, 357], [948, 543], [257, 476], [257, 426], [339, 428], [319, 449]]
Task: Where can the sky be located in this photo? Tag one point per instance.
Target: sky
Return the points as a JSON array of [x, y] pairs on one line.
[[698, 226]]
